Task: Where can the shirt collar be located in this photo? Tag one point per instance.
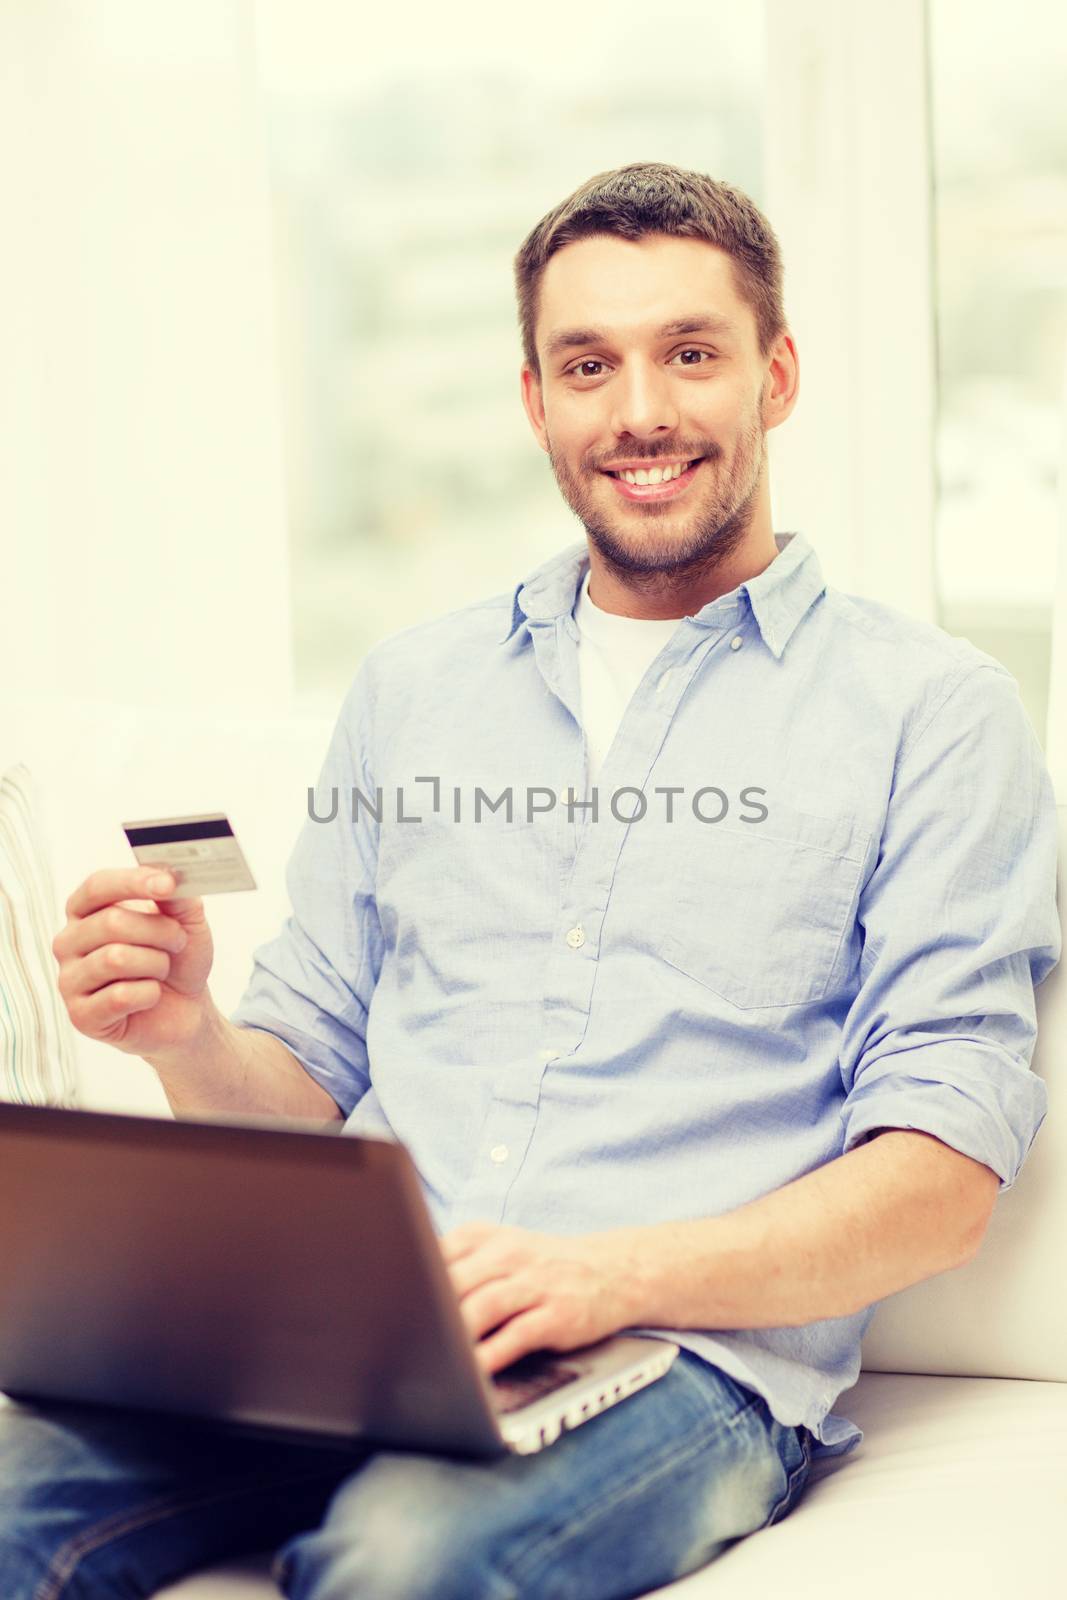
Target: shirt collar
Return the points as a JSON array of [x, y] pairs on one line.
[[783, 593], [778, 597]]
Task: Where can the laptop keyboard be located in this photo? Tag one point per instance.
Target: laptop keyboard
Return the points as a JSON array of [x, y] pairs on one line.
[[528, 1379]]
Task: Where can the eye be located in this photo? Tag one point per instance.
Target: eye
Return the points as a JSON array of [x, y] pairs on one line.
[[692, 352], [578, 372]]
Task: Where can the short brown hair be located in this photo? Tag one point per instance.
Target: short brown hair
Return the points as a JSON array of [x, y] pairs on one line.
[[653, 197]]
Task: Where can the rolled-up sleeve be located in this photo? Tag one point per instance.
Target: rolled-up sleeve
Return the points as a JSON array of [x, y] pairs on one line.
[[958, 921], [311, 985]]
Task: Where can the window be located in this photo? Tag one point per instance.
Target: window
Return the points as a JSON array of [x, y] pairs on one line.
[[1000, 171], [409, 156]]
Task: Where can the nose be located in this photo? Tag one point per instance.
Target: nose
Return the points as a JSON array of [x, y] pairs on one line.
[[642, 404]]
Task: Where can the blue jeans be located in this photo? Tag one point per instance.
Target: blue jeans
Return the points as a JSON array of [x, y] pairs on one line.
[[104, 1504]]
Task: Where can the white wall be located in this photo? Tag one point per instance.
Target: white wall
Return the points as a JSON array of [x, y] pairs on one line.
[[141, 501]]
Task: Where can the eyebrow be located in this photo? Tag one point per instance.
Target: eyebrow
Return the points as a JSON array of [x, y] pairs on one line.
[[703, 322]]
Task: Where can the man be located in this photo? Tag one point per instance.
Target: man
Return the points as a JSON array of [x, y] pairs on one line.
[[701, 989]]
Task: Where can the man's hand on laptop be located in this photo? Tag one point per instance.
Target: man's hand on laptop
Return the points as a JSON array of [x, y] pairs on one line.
[[538, 1291], [135, 978]]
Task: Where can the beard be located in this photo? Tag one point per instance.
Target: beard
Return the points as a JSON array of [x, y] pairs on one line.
[[654, 545]]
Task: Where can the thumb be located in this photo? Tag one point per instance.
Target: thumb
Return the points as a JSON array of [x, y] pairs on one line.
[[186, 909]]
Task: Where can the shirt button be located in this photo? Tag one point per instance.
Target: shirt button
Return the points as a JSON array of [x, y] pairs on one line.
[[548, 1054], [664, 680], [735, 642], [576, 937], [498, 1153]]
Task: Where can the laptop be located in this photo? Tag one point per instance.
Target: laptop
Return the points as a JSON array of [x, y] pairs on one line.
[[266, 1277]]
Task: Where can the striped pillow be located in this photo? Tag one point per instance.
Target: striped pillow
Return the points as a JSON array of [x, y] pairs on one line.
[[37, 1047]]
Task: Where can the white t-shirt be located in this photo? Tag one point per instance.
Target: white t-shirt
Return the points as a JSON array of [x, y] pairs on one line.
[[613, 656]]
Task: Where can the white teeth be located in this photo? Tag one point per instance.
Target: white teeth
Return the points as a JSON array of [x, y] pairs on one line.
[[654, 475]]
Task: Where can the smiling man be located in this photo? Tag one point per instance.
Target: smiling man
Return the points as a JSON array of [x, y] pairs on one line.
[[718, 1030]]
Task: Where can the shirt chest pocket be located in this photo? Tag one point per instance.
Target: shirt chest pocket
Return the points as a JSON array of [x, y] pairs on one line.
[[761, 913]]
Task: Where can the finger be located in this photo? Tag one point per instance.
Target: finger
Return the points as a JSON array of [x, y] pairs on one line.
[[487, 1307], [519, 1337], [117, 963], [470, 1272], [463, 1240], [117, 924], [111, 884], [96, 1014], [186, 909]]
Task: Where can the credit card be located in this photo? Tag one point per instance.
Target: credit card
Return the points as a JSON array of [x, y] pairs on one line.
[[202, 853]]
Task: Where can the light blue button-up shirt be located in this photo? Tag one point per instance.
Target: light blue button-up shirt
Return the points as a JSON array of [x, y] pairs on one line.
[[826, 916]]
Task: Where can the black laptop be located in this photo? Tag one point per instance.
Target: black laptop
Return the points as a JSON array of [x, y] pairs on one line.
[[265, 1276]]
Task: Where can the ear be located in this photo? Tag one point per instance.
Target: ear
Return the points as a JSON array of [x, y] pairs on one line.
[[781, 384], [533, 403]]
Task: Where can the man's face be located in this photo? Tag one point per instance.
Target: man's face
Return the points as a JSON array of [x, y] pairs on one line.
[[650, 360]]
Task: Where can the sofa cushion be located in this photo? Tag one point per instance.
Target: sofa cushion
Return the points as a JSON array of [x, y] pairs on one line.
[[36, 1039]]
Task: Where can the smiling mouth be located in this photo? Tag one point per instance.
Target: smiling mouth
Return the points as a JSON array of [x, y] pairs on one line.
[[653, 474], [654, 484]]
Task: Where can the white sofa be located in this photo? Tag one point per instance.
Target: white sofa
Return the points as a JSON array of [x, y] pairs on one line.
[[960, 1484]]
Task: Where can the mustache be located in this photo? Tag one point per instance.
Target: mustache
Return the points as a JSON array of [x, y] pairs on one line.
[[710, 452]]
